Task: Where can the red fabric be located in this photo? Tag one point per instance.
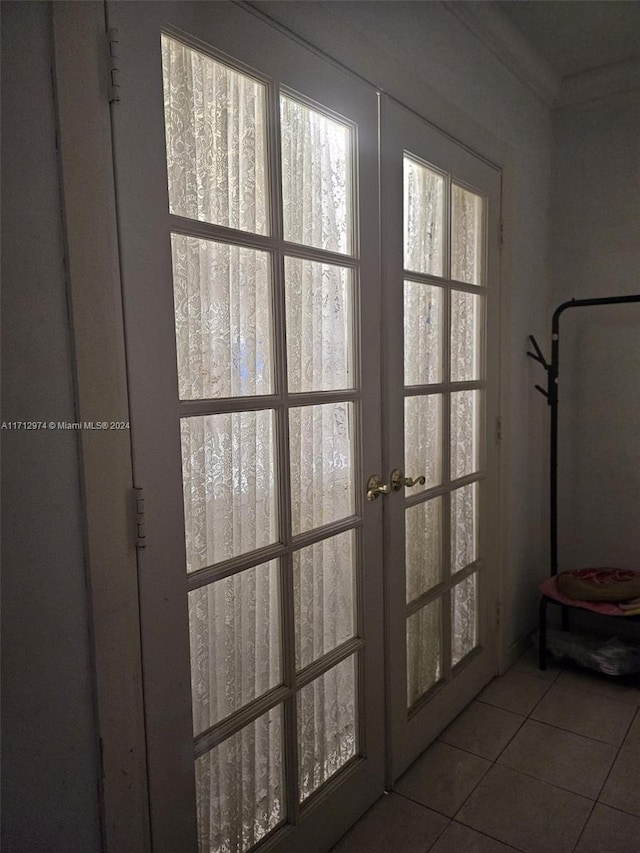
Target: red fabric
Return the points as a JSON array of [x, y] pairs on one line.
[[605, 576], [550, 589]]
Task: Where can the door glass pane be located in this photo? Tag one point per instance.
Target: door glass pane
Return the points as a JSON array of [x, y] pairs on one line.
[[228, 473], [423, 547], [319, 325], [465, 413], [323, 589], [464, 618], [423, 218], [321, 468], [467, 236], [240, 787], [465, 336], [222, 300], [464, 526], [422, 333], [423, 650], [422, 440], [317, 178], [326, 725], [216, 137], [235, 642]]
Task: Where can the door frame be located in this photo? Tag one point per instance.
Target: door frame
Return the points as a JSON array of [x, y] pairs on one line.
[[83, 113], [101, 391]]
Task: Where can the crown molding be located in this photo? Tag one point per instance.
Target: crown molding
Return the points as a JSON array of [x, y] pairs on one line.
[[623, 77], [492, 27]]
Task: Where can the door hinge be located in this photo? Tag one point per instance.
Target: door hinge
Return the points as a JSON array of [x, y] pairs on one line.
[[498, 429], [501, 232], [139, 502], [114, 63], [498, 614]]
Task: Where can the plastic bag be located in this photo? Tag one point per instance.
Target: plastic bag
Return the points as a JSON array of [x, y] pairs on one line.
[[612, 657]]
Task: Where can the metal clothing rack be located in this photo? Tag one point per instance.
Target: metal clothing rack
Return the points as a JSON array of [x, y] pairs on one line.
[[551, 394]]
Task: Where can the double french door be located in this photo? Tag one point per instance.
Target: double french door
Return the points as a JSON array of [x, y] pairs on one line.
[[247, 175]]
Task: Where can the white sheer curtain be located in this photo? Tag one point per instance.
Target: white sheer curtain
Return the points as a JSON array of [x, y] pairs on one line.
[[424, 221], [216, 130], [425, 224], [467, 234], [316, 178], [222, 298], [216, 137]]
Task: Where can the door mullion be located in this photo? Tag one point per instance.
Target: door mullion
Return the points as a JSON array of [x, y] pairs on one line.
[[446, 449], [290, 722], [220, 233], [218, 733], [290, 704]]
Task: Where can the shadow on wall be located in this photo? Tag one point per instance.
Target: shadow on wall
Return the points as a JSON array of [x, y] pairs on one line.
[[599, 439]]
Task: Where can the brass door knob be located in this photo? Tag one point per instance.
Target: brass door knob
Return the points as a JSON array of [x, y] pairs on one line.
[[398, 480], [376, 487]]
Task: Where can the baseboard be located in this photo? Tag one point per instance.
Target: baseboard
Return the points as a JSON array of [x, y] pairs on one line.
[[518, 648]]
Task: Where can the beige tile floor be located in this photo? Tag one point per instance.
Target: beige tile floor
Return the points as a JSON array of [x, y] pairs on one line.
[[538, 763]]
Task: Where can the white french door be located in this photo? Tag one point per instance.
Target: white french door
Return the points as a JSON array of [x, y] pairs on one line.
[[440, 284], [247, 177], [246, 174]]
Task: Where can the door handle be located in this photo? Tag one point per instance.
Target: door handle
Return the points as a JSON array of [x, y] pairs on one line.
[[376, 487], [398, 480]]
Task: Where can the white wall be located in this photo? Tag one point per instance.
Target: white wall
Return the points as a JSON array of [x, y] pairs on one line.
[[596, 198], [425, 57], [49, 766], [596, 253], [599, 465]]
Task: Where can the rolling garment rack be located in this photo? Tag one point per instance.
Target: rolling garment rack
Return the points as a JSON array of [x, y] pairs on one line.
[[551, 395]]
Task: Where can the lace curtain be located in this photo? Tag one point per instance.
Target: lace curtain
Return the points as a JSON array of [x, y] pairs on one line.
[[425, 220], [216, 138]]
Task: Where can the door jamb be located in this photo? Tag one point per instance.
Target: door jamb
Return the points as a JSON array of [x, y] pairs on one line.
[[95, 306]]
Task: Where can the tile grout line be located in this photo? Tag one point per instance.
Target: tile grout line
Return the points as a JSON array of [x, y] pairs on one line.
[[440, 834], [571, 732], [618, 809], [593, 692], [520, 713], [547, 782], [499, 755], [494, 763], [579, 734], [581, 833], [615, 760], [492, 837], [477, 754], [556, 681]]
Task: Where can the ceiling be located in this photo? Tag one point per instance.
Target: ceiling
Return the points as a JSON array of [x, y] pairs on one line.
[[578, 35]]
